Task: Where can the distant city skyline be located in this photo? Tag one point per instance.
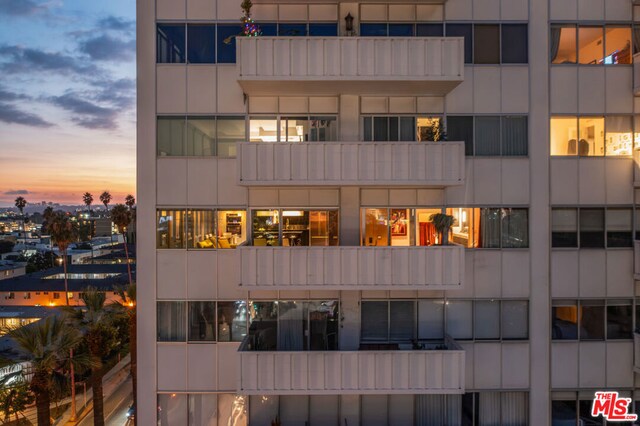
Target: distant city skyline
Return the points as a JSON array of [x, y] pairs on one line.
[[67, 100]]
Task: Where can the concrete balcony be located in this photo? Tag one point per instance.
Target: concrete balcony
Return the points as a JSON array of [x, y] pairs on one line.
[[636, 259], [424, 164], [636, 352], [310, 66], [636, 68], [352, 268], [439, 371]]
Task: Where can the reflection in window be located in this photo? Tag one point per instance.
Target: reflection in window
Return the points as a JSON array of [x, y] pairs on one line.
[[232, 321], [564, 320], [201, 229], [171, 321], [170, 229], [170, 136], [590, 45], [229, 131], [430, 129], [293, 325], [202, 321], [170, 43], [201, 135], [515, 228], [172, 409]]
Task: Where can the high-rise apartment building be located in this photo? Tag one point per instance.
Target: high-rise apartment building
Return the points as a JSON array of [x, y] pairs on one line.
[[293, 188]]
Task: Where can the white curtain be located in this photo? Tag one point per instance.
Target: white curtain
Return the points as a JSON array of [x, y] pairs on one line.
[[203, 409], [290, 326], [438, 410], [489, 414], [514, 410]]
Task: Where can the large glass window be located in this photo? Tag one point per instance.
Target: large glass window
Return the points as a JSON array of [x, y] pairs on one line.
[[431, 319], [592, 228], [199, 136], [590, 45], [460, 128], [515, 228], [592, 320], [617, 45], [292, 129], [171, 321], [619, 136], [374, 320], [266, 225], [172, 409], [591, 134], [564, 227], [232, 228], [487, 319], [459, 314], [201, 229], [486, 44], [232, 321], [226, 43], [201, 44], [170, 229], [619, 319], [170, 43], [323, 128], [515, 135], [295, 228], [592, 223], [466, 31], [515, 319], [293, 325], [515, 44], [564, 136], [563, 43], [487, 135], [203, 409], [323, 29], [389, 128], [202, 321], [619, 227], [430, 129], [564, 320], [170, 136]]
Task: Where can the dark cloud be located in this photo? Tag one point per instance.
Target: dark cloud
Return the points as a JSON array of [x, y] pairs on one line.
[[12, 115], [6, 95], [86, 113], [119, 93], [17, 192], [115, 23], [21, 7], [107, 48], [16, 59]]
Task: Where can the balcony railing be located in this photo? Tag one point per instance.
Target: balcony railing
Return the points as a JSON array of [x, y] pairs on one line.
[[353, 372], [352, 268], [636, 69], [306, 66], [425, 164]]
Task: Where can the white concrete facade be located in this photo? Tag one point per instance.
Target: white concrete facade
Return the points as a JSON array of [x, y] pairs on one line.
[[206, 372]]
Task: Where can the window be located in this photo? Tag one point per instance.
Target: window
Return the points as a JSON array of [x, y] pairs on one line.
[[575, 408], [592, 319], [201, 48], [172, 409], [295, 228], [171, 322], [373, 30], [232, 321], [619, 135], [564, 227], [515, 228], [487, 319], [429, 30], [430, 319], [592, 136], [226, 43], [201, 229], [293, 129], [430, 129], [196, 136], [591, 228], [619, 228], [486, 44], [287, 325], [590, 44], [389, 128], [56, 295], [323, 29], [515, 319], [202, 321], [515, 44], [490, 135], [466, 31], [201, 409], [292, 30], [401, 30], [459, 314], [170, 43], [375, 320], [170, 229]]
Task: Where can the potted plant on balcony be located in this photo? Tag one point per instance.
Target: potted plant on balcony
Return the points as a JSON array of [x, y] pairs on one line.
[[442, 222]]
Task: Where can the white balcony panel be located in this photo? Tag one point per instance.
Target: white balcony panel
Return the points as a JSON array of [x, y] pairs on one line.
[[636, 72], [424, 164], [362, 372], [352, 268], [305, 66]]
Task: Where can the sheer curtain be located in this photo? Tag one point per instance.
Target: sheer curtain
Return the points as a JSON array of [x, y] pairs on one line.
[[487, 135], [489, 414], [291, 326], [438, 410], [514, 409], [514, 136]]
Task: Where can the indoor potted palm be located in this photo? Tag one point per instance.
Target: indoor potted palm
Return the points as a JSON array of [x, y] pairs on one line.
[[442, 222]]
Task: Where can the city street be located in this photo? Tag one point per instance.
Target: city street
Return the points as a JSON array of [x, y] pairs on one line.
[[115, 407]]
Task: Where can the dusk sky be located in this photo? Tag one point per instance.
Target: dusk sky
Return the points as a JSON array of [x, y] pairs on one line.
[[67, 99]]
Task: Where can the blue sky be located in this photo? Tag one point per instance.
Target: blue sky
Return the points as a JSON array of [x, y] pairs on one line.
[[67, 99]]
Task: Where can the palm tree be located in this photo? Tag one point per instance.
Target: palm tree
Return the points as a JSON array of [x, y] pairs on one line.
[[105, 197], [47, 345], [121, 217], [130, 201], [100, 335], [47, 214], [87, 198], [21, 203], [63, 232], [128, 305]]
